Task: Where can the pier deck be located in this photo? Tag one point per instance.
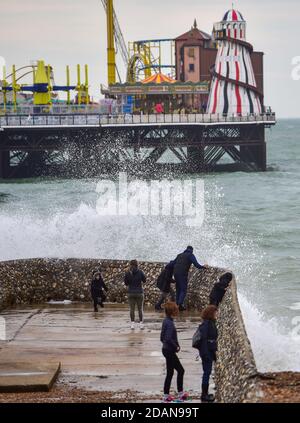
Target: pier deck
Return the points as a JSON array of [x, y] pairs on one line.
[[88, 145]]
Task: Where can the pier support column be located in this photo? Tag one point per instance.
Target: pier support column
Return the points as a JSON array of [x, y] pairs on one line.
[[257, 155], [4, 164], [195, 158], [262, 157]]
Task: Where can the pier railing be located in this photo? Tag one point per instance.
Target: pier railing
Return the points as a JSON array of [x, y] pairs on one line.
[[93, 120]]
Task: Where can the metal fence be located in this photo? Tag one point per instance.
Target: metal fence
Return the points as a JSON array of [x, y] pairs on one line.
[[87, 119]]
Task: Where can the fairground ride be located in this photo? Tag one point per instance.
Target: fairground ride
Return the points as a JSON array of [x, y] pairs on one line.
[[141, 59]]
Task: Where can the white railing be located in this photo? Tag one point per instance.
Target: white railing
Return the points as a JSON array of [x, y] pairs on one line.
[[57, 109], [62, 120]]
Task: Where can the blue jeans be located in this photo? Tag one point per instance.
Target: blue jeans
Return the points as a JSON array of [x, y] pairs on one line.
[[207, 364], [181, 288]]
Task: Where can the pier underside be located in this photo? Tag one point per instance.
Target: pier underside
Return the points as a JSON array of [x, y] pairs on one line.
[[140, 150]]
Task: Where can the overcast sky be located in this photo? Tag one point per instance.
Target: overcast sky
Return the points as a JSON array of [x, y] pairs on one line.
[[74, 31]]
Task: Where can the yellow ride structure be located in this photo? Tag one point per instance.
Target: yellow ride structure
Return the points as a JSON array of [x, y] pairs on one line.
[[141, 59], [43, 88]]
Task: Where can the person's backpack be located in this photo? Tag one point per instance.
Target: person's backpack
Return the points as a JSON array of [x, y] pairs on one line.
[[197, 338]]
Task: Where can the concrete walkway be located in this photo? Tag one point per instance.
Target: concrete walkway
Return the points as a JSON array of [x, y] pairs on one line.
[[98, 351]]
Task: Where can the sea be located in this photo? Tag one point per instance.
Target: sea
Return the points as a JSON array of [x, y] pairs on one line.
[[251, 226]]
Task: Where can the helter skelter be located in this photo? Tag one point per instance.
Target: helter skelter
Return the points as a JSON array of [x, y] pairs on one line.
[[233, 89]]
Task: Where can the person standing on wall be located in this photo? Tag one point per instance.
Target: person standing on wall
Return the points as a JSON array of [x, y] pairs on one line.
[[97, 288], [208, 348], [182, 265], [164, 282], [134, 280]]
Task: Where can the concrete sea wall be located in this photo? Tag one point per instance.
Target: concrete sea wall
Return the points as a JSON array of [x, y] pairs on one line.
[[39, 280]]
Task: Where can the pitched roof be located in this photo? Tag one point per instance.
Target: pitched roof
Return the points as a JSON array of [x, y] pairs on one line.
[[194, 34]]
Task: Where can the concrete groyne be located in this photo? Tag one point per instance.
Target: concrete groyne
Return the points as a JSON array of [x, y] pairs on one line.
[[39, 280]]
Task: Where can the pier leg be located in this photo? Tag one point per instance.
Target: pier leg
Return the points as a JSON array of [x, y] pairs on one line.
[[261, 156], [195, 159], [4, 164], [255, 155]]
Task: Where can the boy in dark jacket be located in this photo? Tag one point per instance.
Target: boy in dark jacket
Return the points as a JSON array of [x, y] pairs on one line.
[[170, 348], [220, 288], [97, 287], [208, 349], [134, 280], [164, 282]]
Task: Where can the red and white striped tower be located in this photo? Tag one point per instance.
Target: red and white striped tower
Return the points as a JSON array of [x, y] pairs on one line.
[[233, 88]]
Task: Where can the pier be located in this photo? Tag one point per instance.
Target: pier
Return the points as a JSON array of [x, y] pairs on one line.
[[198, 108], [89, 144]]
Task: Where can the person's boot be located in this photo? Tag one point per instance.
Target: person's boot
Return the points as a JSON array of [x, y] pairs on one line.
[[182, 307], [101, 305], [95, 309], [205, 396], [158, 307]]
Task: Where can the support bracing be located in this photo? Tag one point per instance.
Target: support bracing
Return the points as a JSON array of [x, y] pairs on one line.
[[149, 150]]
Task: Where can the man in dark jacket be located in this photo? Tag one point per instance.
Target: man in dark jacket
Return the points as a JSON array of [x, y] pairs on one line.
[[134, 280], [97, 287], [220, 288], [164, 282], [182, 265]]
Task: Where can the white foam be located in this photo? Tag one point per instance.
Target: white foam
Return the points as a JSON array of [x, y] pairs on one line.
[[275, 348], [219, 242]]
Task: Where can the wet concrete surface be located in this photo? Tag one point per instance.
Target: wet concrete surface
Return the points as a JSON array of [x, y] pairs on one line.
[[16, 377], [99, 351]]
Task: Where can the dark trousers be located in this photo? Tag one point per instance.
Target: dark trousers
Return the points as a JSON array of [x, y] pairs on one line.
[[99, 299], [173, 363], [207, 365], [136, 300], [164, 296], [181, 288]]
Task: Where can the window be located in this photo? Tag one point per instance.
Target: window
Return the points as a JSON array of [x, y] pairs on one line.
[[191, 67], [191, 52]]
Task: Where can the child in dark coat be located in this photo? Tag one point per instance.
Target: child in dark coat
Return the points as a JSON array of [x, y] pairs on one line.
[[170, 348], [219, 289], [97, 290]]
